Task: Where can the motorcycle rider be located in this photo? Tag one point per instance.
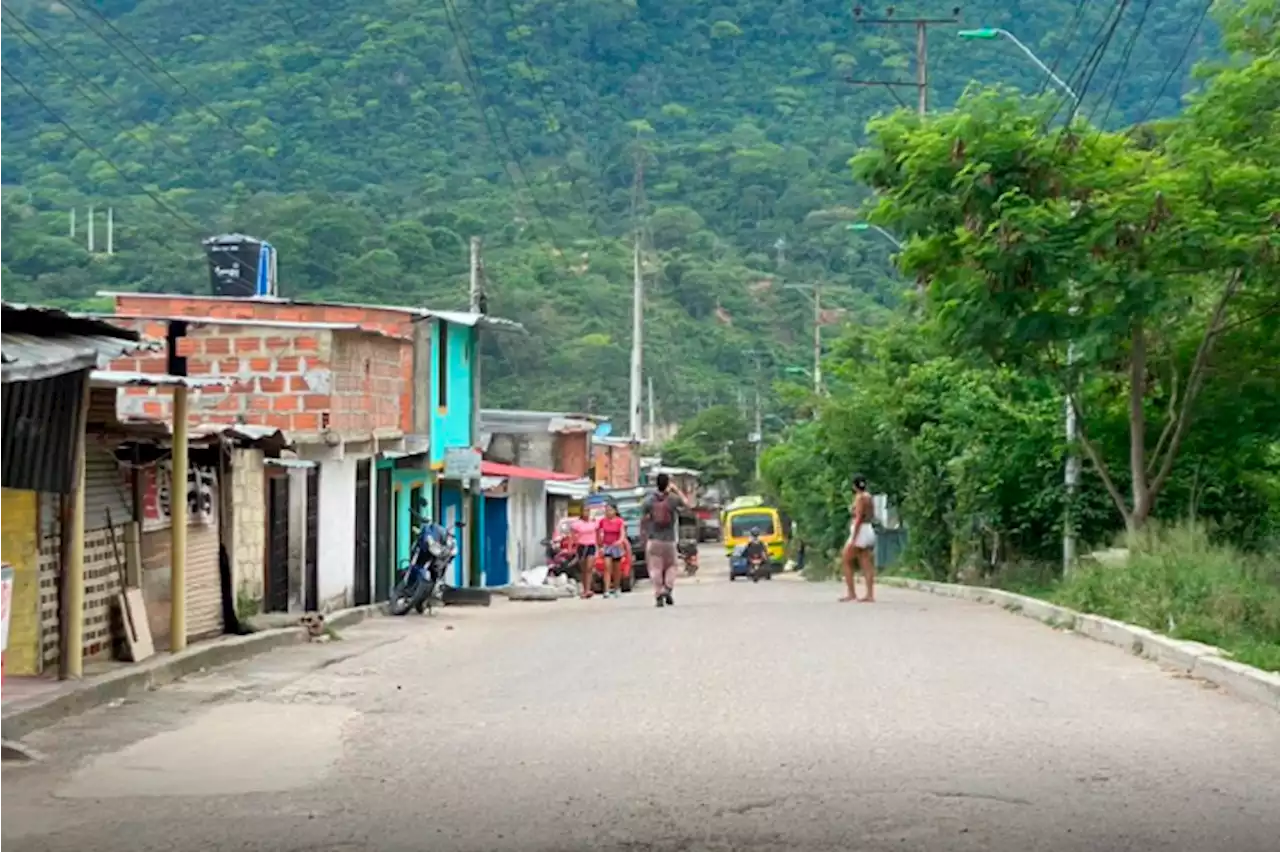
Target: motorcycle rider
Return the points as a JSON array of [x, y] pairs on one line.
[[756, 549]]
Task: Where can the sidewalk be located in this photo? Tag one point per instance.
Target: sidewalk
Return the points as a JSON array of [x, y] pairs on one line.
[[33, 703]]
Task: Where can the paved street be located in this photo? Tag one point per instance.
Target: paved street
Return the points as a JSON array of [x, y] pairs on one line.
[[749, 717]]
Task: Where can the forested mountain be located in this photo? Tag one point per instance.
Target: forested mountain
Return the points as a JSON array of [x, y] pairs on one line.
[[368, 140]]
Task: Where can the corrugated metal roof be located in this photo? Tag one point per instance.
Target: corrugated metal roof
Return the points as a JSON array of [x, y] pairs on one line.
[[256, 323], [28, 357], [522, 422], [126, 378], [464, 318], [39, 342]]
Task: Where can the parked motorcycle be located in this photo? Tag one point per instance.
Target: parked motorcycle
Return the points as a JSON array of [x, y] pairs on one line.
[[688, 551], [418, 582]]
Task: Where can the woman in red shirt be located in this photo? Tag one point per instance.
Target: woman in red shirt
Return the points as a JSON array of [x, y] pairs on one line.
[[614, 545]]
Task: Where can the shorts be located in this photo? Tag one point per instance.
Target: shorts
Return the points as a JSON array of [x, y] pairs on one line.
[[614, 551], [866, 538]]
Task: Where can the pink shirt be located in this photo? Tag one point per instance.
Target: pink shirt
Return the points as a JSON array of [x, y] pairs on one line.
[[612, 529], [584, 532]]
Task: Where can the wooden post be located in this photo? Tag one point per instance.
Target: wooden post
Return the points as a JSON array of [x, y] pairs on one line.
[[178, 524], [71, 638]]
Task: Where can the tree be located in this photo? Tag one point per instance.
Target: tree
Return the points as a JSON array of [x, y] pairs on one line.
[[1083, 258]]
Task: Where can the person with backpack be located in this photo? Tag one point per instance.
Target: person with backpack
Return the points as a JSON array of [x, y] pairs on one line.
[[661, 519]]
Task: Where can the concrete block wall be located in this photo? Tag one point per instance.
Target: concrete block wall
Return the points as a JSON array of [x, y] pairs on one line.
[[249, 523]]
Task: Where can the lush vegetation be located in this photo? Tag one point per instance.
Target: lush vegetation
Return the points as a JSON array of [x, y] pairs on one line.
[[369, 140], [1134, 273]]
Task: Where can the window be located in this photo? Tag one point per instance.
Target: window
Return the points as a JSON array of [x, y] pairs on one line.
[[442, 367], [740, 526]]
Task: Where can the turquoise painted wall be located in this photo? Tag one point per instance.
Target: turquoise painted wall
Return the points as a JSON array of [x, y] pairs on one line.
[[403, 483], [451, 410]]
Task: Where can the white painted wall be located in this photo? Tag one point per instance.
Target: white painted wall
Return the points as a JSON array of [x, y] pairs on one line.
[[526, 524], [335, 565]]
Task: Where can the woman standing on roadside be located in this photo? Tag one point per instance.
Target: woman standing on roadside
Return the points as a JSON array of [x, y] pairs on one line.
[[584, 536], [614, 544]]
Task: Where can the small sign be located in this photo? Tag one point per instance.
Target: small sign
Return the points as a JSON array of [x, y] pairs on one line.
[[461, 463], [6, 598]]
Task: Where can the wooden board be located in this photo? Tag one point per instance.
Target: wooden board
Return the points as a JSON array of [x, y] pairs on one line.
[[137, 631]]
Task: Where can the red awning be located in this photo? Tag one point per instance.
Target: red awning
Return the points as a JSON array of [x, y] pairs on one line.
[[488, 468]]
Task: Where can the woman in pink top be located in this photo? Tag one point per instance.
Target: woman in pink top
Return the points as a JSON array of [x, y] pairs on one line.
[[613, 543], [584, 535]]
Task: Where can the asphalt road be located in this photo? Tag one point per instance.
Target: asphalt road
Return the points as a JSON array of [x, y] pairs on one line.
[[749, 717]]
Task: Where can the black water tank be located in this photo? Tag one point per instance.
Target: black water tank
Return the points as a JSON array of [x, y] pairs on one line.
[[233, 265]]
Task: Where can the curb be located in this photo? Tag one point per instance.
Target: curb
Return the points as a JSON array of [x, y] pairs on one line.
[[22, 717], [1198, 660]]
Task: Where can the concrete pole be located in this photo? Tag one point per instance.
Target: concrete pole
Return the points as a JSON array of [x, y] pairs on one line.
[[922, 65], [89, 233], [472, 487], [111, 225], [71, 655], [178, 524], [817, 337], [637, 341]]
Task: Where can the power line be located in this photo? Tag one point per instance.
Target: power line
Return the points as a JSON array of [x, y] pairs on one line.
[[513, 166], [160, 202], [1182, 58], [81, 75], [1077, 17], [1089, 66], [153, 63], [1117, 79]]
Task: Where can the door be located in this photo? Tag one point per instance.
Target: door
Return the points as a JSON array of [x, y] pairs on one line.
[[277, 595], [360, 589], [451, 513], [497, 571], [384, 537], [311, 556]]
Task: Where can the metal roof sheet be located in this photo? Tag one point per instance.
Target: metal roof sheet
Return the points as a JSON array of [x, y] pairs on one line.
[[29, 357], [464, 318], [127, 378]]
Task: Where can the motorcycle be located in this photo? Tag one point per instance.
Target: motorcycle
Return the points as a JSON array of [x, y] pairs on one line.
[[759, 569], [688, 551], [418, 582]]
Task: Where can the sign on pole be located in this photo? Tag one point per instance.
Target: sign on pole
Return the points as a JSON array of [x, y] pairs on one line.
[[6, 598], [462, 464]]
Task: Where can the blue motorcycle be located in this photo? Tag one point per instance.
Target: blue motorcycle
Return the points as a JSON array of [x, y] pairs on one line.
[[418, 582]]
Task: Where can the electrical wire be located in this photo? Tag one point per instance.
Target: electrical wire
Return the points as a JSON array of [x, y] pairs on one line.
[[1089, 68], [160, 202], [77, 73], [153, 63], [1182, 58], [1077, 17], [1117, 78], [513, 166]]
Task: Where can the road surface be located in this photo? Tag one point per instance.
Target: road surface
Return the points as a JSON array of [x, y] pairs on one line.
[[749, 717]]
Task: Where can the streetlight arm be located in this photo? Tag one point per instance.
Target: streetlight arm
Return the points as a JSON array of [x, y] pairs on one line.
[[888, 236], [1045, 68]]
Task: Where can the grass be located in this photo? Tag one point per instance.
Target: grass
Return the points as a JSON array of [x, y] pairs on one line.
[[1176, 582], [1179, 583]]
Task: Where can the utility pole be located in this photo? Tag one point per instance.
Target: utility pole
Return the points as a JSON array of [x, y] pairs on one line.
[[475, 299], [89, 239], [637, 311], [922, 25], [72, 232], [111, 236], [817, 337], [653, 432]]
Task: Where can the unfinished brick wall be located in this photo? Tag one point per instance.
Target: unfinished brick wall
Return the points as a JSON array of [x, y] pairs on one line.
[[613, 466], [393, 322], [367, 383], [573, 453]]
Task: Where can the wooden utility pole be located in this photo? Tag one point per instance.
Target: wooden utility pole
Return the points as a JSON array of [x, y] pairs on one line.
[[922, 25]]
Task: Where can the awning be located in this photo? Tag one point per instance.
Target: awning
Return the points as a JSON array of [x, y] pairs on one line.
[[41, 342], [488, 468], [577, 490]]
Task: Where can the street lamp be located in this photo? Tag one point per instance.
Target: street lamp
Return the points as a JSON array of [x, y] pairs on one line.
[[989, 33], [866, 226]]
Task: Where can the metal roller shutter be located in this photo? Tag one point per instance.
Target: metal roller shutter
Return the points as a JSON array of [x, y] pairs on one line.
[[106, 489], [204, 588]]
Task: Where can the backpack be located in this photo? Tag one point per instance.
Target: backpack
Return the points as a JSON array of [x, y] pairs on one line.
[[661, 513]]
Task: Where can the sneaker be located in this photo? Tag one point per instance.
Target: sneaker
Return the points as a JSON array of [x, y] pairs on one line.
[[670, 600], [659, 601]]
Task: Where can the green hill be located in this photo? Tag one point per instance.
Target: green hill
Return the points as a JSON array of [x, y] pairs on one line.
[[369, 140]]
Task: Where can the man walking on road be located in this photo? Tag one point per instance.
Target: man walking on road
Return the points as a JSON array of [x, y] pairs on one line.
[[660, 517]]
